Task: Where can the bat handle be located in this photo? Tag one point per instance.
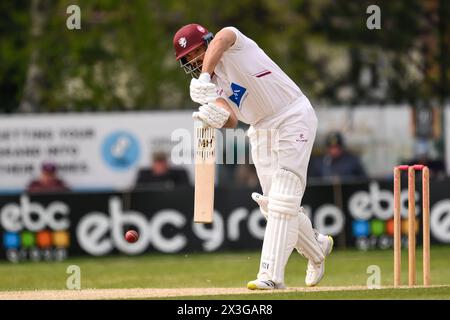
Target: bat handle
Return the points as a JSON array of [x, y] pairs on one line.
[[205, 125]]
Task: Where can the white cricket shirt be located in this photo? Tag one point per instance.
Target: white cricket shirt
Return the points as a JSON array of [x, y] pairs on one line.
[[251, 82]]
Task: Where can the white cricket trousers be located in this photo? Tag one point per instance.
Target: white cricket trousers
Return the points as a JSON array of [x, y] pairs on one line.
[[284, 140]]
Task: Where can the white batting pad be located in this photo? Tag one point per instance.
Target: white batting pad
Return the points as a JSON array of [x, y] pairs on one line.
[[281, 232], [307, 243]]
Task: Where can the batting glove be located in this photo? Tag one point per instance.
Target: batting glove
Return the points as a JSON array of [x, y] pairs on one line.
[[202, 90], [212, 115], [263, 203]]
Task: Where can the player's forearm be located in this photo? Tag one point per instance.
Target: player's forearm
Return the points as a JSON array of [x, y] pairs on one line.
[[213, 55], [232, 120], [221, 43]]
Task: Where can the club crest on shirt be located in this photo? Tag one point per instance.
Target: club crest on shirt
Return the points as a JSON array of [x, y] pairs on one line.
[[238, 93]]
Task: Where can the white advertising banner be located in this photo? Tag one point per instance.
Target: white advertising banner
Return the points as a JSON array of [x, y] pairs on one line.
[[92, 150]]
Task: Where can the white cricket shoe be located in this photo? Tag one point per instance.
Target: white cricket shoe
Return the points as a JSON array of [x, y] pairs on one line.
[[264, 285], [315, 272]]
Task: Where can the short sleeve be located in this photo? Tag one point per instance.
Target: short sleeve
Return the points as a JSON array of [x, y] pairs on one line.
[[241, 40]]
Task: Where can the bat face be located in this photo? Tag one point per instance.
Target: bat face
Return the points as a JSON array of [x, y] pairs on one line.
[[205, 161]]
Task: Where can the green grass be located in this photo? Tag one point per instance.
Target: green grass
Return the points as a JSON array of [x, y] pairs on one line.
[[343, 268], [381, 294]]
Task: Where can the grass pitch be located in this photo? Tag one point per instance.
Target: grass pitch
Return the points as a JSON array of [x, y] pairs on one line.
[[345, 269]]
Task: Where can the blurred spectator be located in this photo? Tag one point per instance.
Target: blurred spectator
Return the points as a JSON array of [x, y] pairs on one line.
[[245, 176], [48, 180], [338, 162], [160, 174]]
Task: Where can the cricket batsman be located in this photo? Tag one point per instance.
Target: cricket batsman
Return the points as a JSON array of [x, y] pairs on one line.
[[234, 79]]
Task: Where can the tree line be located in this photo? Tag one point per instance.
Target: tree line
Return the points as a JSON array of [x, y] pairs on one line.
[[122, 57]]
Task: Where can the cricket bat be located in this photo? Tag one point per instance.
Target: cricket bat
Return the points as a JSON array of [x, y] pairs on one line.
[[205, 161]]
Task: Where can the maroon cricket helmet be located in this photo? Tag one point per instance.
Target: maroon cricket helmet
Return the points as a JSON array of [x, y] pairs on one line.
[[189, 38]]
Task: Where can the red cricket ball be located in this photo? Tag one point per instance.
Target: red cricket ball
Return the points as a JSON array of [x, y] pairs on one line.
[[131, 236]]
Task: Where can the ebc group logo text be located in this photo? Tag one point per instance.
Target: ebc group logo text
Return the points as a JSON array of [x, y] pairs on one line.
[[31, 231]]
